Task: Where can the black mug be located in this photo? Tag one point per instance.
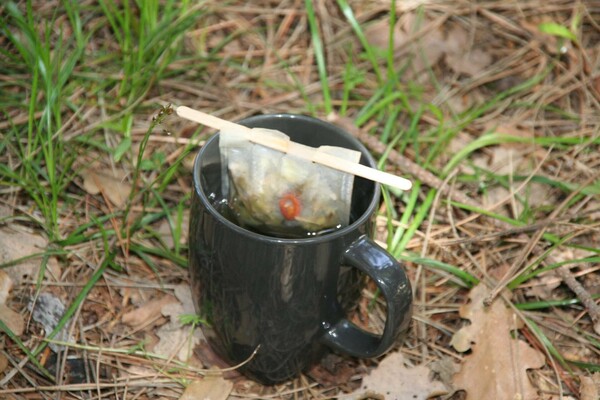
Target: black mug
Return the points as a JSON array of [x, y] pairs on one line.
[[289, 298]]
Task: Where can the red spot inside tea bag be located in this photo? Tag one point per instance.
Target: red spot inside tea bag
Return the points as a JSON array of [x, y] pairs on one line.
[[290, 207]]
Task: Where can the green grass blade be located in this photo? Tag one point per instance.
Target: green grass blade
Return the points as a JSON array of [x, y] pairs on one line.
[[319, 55], [410, 206], [77, 300], [539, 305], [583, 365], [419, 217], [525, 275], [352, 78], [483, 141], [380, 105], [392, 73], [349, 14], [31, 356], [467, 279], [547, 343], [554, 29]]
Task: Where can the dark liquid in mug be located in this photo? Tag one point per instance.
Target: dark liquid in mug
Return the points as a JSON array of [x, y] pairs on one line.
[[211, 179]]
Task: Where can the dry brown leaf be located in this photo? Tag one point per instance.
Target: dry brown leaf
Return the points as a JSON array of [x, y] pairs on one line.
[[410, 5], [175, 338], [13, 320], [428, 50], [470, 63], [209, 388], [590, 387], [445, 368], [333, 371], [496, 368], [377, 33], [6, 285], [425, 52], [164, 230], [461, 57], [3, 363], [393, 380], [108, 183], [543, 285], [3, 360], [16, 244], [147, 312], [5, 212]]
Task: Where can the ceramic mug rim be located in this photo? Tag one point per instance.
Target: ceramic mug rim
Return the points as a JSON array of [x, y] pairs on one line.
[[362, 219]]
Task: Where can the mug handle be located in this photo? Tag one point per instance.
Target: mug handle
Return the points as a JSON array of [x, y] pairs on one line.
[[393, 283]]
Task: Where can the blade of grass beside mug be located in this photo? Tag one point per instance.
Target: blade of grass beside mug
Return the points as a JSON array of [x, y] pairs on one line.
[[418, 218], [299, 86], [390, 129], [51, 65], [547, 343], [148, 41], [490, 214], [30, 356], [319, 55], [46, 253], [353, 76], [493, 138], [587, 366], [522, 275], [517, 223], [373, 99], [540, 305], [390, 213], [525, 277], [414, 134], [567, 187], [392, 73], [175, 226], [349, 14], [145, 251], [464, 278], [381, 104], [135, 190], [404, 220], [388, 149], [440, 132], [483, 141], [82, 233]]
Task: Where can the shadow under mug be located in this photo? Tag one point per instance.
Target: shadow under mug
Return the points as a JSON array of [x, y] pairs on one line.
[[289, 298]]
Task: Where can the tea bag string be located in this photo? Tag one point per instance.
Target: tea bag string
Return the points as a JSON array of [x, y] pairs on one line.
[[296, 149]]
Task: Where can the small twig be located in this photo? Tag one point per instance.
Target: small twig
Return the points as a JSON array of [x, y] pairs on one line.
[[569, 279]]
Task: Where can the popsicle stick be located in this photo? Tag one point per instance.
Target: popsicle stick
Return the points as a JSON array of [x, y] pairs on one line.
[[296, 149]]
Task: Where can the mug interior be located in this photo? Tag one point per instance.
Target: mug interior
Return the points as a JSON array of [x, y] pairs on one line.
[[302, 129]]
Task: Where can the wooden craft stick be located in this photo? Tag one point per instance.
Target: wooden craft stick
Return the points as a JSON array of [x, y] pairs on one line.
[[296, 149]]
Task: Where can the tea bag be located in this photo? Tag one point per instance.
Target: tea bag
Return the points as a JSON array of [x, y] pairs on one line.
[[275, 192]]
